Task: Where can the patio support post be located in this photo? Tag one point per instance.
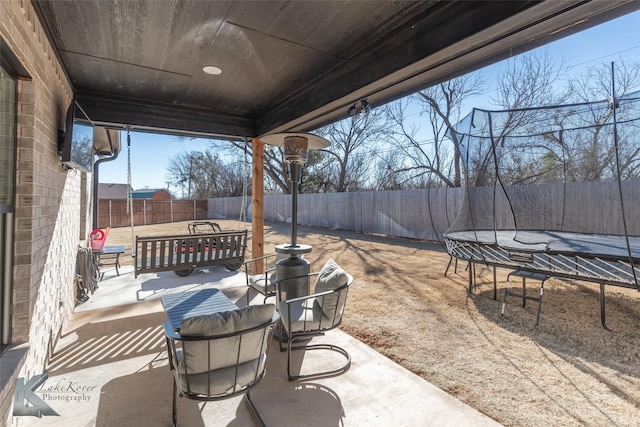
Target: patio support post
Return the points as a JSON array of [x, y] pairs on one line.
[[257, 203]]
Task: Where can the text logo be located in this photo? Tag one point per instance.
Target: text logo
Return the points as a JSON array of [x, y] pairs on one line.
[[26, 402]]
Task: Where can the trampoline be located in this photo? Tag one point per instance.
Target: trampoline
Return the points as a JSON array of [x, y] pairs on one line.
[[553, 190]]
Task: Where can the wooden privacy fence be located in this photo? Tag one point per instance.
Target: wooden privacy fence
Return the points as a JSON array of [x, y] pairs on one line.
[[416, 214], [113, 213], [592, 207]]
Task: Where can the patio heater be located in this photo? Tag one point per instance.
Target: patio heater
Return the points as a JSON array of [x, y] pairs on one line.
[[292, 272]]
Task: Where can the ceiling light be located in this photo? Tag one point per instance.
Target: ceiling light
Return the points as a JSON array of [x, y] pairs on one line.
[[212, 69]]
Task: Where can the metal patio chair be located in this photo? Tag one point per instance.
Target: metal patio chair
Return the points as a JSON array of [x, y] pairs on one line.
[[304, 317], [263, 283], [222, 355]]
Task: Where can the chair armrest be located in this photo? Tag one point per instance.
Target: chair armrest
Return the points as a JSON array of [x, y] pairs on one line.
[[170, 332], [171, 337], [276, 317], [307, 297], [249, 261]]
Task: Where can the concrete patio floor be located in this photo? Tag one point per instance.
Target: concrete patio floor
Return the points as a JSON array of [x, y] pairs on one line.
[[109, 368]]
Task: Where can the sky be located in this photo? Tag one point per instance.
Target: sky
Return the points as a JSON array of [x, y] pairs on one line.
[[151, 153]]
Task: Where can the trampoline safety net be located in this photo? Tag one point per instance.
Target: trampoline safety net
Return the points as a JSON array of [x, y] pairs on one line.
[[553, 189]]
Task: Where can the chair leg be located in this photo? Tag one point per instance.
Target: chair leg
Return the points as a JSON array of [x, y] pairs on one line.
[[174, 413], [333, 372], [254, 409], [279, 326]]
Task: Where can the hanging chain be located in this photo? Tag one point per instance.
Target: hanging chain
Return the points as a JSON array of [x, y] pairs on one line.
[[129, 195], [128, 170]]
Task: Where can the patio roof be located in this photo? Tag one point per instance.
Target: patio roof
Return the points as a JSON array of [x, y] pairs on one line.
[[285, 65]]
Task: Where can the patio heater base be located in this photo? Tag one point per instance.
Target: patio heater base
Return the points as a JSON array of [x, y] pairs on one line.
[[292, 274]]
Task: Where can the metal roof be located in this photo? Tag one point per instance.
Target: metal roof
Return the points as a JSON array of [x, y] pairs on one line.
[[286, 65]]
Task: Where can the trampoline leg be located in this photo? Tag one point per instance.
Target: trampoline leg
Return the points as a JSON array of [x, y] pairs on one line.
[[602, 308], [524, 292], [504, 297], [495, 285], [470, 267], [539, 302], [448, 265]]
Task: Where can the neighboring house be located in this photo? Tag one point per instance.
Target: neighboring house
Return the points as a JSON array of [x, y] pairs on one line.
[[120, 191], [150, 193], [113, 191]]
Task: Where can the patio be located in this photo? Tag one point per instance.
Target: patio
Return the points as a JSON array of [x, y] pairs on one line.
[[110, 368]]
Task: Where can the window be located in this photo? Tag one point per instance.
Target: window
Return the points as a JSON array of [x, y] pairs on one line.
[[7, 196]]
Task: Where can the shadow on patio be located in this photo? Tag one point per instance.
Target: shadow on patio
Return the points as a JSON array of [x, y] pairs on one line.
[[109, 368]]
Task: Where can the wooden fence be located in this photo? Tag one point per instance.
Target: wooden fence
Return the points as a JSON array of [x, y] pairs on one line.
[[593, 207], [416, 214], [113, 213]]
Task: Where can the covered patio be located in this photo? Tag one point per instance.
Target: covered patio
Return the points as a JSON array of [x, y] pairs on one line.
[[229, 70], [109, 368]]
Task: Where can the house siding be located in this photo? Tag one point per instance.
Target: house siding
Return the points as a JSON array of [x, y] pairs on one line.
[[49, 208]]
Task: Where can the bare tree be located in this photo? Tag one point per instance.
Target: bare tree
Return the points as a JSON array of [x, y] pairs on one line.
[[205, 175], [275, 168], [528, 81], [441, 105], [346, 164], [82, 151], [595, 146], [386, 175]]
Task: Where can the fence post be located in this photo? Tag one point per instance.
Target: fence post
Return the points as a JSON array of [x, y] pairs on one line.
[[144, 207], [171, 205], [109, 212], [194, 209]]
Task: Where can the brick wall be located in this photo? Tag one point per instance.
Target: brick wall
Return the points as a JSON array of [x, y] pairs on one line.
[[48, 211]]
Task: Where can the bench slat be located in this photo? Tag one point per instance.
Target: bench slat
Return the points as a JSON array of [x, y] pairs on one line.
[[184, 252]]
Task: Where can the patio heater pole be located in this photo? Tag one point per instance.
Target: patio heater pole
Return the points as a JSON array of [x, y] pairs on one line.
[[292, 272], [294, 173]]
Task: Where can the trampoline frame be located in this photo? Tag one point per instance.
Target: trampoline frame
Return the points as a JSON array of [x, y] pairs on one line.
[[604, 270]]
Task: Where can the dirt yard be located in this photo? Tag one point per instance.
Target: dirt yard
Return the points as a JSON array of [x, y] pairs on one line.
[[568, 371]]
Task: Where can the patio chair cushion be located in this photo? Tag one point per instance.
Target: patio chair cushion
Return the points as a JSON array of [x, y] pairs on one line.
[[331, 277], [203, 356], [257, 281], [224, 381], [303, 316]]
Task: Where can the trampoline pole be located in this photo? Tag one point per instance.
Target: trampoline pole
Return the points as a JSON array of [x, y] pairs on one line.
[[614, 106]]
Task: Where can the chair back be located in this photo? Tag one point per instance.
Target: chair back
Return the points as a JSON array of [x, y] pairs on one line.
[[331, 305], [224, 354]]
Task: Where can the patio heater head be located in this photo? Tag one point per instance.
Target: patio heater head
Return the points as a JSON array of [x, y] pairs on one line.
[[296, 146]]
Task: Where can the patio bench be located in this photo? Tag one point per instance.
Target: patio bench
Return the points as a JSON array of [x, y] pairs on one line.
[[185, 252]]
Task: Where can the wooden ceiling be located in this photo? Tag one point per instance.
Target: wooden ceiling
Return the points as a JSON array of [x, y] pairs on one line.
[[286, 65]]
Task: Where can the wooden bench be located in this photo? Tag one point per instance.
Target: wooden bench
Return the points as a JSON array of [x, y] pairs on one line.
[[186, 252]]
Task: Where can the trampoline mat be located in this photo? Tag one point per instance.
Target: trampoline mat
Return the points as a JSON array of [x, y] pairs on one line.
[[554, 242]]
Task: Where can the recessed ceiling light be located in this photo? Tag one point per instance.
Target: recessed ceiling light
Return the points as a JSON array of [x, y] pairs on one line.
[[212, 69]]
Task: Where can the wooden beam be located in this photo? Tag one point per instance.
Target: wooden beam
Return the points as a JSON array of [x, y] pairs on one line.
[[257, 203]]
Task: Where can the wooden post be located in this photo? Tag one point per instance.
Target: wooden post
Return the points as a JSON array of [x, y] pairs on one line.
[[257, 203]]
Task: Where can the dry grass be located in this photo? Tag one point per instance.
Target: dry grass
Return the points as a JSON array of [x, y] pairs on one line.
[[567, 371]]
